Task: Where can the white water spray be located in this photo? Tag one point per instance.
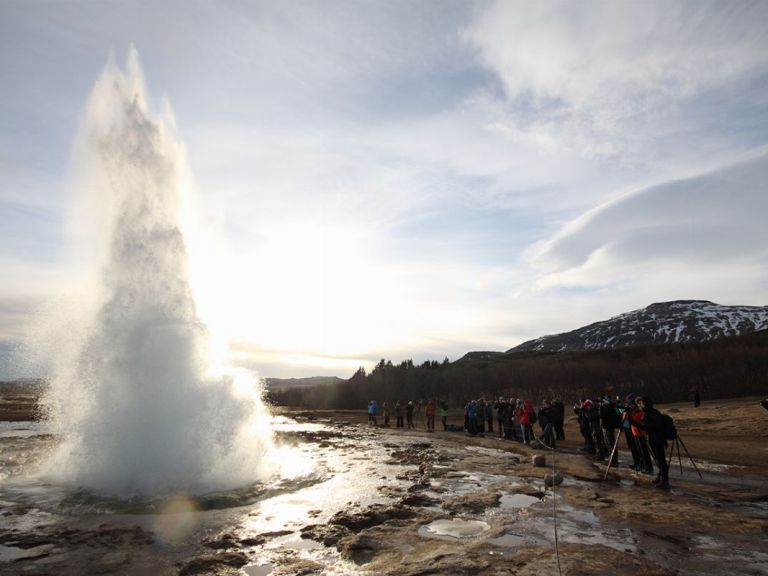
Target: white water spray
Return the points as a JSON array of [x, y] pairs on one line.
[[131, 394]]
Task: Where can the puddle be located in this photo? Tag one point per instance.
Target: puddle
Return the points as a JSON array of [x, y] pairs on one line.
[[578, 515], [574, 526], [296, 542], [454, 528], [258, 570], [515, 501]]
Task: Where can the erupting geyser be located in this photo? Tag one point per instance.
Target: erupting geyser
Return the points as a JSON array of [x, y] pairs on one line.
[[132, 396]]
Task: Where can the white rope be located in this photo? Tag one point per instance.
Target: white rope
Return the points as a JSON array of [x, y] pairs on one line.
[[554, 504], [554, 512]]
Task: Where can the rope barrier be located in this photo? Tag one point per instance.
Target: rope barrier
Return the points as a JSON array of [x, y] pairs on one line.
[[554, 503], [554, 512]]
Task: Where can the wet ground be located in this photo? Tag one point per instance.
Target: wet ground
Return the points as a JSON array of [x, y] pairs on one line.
[[353, 499]]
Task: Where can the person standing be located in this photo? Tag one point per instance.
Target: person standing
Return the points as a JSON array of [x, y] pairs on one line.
[[385, 413], [480, 418], [489, 415], [636, 422], [598, 441], [580, 409], [527, 419], [399, 414], [696, 399], [559, 411], [653, 424], [409, 414], [430, 410], [444, 415], [546, 421], [501, 409], [609, 422], [472, 418], [626, 427]]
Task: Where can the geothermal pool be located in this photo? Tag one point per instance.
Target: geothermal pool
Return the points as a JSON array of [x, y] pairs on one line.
[[351, 499], [54, 527]]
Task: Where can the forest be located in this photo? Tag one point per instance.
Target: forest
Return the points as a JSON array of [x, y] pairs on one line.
[[724, 368]]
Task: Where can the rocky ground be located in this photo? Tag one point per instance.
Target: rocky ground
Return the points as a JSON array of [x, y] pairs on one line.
[[443, 503], [622, 525]]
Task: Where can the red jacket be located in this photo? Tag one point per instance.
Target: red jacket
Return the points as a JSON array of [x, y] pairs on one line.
[[525, 417], [635, 418]]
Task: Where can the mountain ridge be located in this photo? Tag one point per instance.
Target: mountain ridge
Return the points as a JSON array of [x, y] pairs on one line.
[[676, 321]]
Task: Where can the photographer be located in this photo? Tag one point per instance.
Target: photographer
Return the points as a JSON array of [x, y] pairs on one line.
[[653, 424]]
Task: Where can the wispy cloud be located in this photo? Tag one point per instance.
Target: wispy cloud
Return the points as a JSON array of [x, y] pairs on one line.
[[613, 61], [636, 83], [701, 236]]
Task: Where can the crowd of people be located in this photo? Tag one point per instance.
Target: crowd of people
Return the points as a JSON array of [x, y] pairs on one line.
[[602, 422]]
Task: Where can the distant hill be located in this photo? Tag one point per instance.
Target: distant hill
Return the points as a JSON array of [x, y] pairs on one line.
[[679, 321], [717, 368], [286, 383]]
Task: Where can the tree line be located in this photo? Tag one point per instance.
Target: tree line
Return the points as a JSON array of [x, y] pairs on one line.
[[728, 367]]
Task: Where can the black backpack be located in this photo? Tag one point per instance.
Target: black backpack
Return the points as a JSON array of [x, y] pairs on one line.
[[668, 429]]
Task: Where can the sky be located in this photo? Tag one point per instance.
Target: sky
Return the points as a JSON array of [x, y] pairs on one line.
[[406, 179]]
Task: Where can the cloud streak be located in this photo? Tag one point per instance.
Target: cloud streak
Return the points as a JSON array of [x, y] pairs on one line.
[[698, 235]]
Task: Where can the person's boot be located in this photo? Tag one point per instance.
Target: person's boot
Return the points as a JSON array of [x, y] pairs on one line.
[[663, 484]]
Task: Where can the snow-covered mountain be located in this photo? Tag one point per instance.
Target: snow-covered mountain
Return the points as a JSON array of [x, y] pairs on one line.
[[660, 323]]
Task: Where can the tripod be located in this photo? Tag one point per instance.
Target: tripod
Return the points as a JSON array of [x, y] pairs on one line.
[[610, 458], [676, 443]]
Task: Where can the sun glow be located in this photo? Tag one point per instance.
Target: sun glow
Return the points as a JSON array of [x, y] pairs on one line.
[[302, 290]]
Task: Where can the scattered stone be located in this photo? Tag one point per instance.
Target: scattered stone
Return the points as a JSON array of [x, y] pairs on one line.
[[210, 564], [326, 535], [253, 541], [224, 542], [419, 501], [361, 549], [553, 479], [377, 514], [474, 503], [539, 460], [297, 567]]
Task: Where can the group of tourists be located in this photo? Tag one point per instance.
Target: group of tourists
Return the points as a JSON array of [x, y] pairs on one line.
[[601, 422], [515, 419], [645, 429], [404, 414]]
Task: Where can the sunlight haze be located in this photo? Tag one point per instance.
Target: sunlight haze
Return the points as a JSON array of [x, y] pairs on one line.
[[403, 179]]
